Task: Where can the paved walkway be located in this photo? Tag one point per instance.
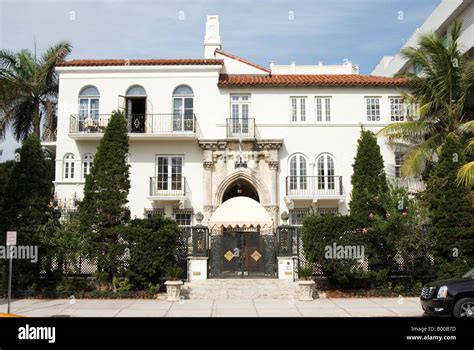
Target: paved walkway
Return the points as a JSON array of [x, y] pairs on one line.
[[337, 307]]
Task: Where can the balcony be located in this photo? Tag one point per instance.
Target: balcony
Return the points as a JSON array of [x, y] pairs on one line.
[[314, 187], [411, 184], [240, 128], [48, 139], [172, 188], [140, 126]]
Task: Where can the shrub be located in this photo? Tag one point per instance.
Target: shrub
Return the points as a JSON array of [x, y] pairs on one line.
[[152, 246], [153, 289], [305, 273], [399, 233], [122, 284], [101, 280], [174, 273], [72, 285], [63, 243], [321, 234]]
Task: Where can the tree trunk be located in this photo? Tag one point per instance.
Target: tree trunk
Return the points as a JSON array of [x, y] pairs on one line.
[[37, 130], [37, 121]]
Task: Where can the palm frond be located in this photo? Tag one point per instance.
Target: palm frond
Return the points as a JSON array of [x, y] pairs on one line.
[[465, 175], [469, 148], [51, 58], [415, 159], [20, 114], [467, 127], [408, 130]]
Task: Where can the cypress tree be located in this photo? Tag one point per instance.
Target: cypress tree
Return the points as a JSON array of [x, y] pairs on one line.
[[451, 213], [369, 184], [104, 207], [27, 206]]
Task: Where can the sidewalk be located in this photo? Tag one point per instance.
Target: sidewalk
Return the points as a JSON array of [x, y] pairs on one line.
[[337, 307]]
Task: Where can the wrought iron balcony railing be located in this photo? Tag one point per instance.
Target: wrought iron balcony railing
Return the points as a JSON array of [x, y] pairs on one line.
[[176, 123], [49, 135], [411, 184], [240, 127], [314, 186], [168, 186]]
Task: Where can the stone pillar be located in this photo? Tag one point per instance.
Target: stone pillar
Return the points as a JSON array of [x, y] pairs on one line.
[[274, 189], [197, 268], [208, 166], [286, 268]]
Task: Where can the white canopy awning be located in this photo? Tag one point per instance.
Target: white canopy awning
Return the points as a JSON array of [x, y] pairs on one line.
[[240, 212]]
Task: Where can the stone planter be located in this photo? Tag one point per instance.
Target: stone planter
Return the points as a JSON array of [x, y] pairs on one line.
[[306, 290], [173, 290]]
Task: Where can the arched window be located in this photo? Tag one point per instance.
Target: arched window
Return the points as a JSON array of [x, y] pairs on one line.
[[89, 98], [325, 172], [69, 166], [298, 173], [135, 90], [87, 161], [183, 108]]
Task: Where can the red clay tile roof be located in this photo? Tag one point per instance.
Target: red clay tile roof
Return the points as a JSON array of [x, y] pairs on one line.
[[309, 80], [144, 62], [243, 60]]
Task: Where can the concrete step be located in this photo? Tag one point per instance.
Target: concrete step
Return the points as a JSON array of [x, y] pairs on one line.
[[265, 288]]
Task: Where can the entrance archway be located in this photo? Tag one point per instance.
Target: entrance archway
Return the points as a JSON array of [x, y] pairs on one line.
[[242, 241], [240, 188]]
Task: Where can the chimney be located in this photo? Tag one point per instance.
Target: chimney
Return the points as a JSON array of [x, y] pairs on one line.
[[212, 40], [272, 66], [293, 67]]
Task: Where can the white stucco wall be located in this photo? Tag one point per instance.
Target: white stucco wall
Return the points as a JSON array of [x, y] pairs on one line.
[[269, 106], [159, 85], [271, 109]]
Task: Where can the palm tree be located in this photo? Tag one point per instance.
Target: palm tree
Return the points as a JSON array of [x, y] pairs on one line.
[[444, 92], [466, 172], [28, 89]]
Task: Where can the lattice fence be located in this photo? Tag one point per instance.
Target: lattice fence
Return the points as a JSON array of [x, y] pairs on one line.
[[82, 266], [398, 265]]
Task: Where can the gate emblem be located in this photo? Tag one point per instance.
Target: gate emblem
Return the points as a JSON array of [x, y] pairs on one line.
[[229, 255], [256, 255]]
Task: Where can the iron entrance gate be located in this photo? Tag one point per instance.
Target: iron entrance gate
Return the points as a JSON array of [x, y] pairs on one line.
[[242, 254]]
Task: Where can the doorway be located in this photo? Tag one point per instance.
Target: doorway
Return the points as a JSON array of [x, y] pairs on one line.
[[136, 113], [239, 188], [243, 254]]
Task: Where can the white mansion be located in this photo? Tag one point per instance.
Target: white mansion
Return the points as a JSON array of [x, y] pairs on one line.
[[203, 131]]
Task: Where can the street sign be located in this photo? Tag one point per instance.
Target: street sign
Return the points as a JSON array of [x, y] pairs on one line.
[[11, 241], [11, 238]]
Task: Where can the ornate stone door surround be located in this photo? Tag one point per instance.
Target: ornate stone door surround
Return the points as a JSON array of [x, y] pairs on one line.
[[255, 161]]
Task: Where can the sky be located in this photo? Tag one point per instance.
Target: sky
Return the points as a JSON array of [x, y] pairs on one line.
[[304, 31]]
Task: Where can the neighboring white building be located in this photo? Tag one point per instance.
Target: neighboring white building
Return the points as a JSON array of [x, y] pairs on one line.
[[203, 131], [441, 21]]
